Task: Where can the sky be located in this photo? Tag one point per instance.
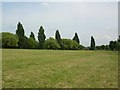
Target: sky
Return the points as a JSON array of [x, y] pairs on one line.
[[97, 19]]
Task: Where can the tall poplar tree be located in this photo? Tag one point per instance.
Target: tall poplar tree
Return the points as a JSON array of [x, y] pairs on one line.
[[41, 37], [76, 38], [20, 30], [57, 36], [32, 35], [92, 43], [23, 40]]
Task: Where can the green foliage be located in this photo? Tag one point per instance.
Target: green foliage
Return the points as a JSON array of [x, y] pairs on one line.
[[32, 43], [81, 47], [51, 43], [118, 44], [103, 47], [92, 43], [9, 40], [57, 36], [76, 38], [118, 39], [32, 35], [114, 45], [20, 30], [23, 42], [68, 44], [41, 37]]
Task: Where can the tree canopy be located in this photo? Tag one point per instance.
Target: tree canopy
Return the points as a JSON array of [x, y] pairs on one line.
[[92, 43], [32, 35], [9, 40], [20, 40], [57, 36], [68, 44], [20, 30], [41, 37], [23, 40], [32, 44], [51, 43], [76, 38]]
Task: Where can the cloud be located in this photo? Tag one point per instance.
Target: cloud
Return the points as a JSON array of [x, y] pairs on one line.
[[45, 4]]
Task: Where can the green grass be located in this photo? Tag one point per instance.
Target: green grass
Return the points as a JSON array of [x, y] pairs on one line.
[[59, 69]]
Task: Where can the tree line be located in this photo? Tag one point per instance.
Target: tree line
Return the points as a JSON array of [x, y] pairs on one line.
[[19, 40]]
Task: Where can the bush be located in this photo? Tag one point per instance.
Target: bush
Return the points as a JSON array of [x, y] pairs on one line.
[[68, 44], [9, 40], [51, 43], [81, 47], [32, 43]]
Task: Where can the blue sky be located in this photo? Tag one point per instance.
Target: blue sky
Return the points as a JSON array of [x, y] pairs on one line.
[[98, 19]]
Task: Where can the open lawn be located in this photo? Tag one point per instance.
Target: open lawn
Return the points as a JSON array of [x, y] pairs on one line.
[[59, 69]]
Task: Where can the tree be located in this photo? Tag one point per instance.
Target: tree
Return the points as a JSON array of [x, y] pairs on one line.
[[57, 36], [102, 47], [32, 35], [9, 40], [32, 43], [76, 38], [68, 44], [41, 37], [51, 43], [118, 46], [81, 47], [23, 40], [92, 43], [118, 39], [20, 31], [118, 43], [112, 45], [107, 47], [115, 45]]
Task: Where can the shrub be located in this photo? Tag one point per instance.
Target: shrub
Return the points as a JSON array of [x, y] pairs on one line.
[[68, 44], [51, 43], [32, 43], [9, 40]]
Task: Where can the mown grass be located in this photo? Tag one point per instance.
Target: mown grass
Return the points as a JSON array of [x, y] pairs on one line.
[[59, 69]]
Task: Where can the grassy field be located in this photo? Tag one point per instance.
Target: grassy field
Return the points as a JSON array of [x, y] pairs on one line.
[[59, 69]]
